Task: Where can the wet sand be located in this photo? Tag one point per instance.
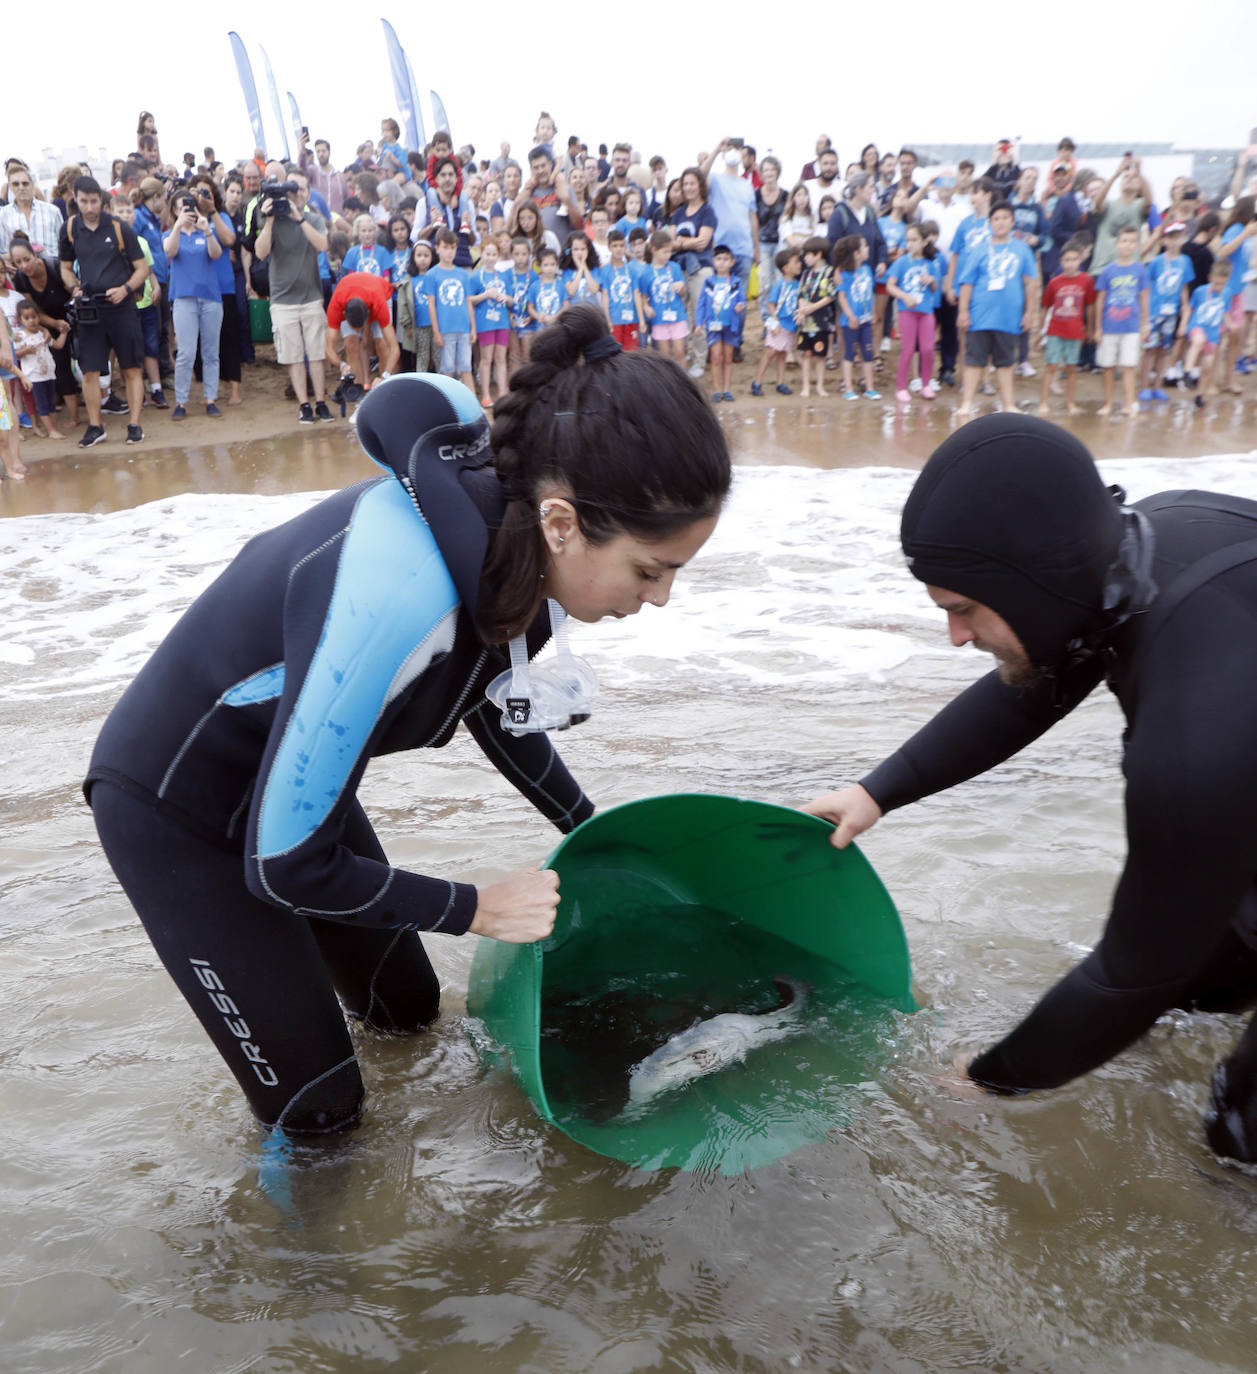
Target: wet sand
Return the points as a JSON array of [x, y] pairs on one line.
[[259, 447]]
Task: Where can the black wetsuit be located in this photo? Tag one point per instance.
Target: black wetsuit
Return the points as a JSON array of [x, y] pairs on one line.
[[223, 783], [1182, 930]]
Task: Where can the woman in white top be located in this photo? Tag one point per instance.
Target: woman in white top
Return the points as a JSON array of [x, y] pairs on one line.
[[798, 224]]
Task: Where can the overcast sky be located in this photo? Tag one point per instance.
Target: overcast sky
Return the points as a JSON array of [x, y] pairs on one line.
[[941, 74]]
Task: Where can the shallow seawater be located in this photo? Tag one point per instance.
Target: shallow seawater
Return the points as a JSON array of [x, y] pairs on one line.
[[149, 1226]]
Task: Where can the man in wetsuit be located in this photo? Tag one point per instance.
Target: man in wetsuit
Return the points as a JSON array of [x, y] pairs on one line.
[[1037, 563]]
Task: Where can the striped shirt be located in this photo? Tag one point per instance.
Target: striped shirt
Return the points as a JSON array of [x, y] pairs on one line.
[[44, 229]]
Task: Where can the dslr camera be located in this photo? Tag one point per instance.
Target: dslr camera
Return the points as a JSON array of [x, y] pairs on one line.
[[279, 191]]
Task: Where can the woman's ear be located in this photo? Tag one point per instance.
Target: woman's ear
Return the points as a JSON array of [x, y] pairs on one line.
[[558, 522]]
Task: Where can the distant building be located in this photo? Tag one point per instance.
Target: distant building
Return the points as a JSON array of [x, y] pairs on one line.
[[49, 164]]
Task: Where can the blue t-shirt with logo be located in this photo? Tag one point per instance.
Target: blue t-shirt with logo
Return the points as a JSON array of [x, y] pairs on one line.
[[785, 296], [518, 285], [620, 283], [664, 288], [971, 231], [401, 259], [584, 292], [626, 225], [1239, 261], [995, 271], [1121, 284], [1167, 275], [419, 289], [909, 276], [448, 288], [547, 297], [857, 286], [1209, 308], [894, 231], [490, 314], [375, 261]]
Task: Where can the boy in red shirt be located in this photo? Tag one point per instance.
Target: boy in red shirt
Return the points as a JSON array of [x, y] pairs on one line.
[[1070, 296]]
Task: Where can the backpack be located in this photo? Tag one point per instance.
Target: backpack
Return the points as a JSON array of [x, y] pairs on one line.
[[117, 229]]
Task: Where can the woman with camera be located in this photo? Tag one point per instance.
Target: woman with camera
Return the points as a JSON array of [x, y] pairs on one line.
[[196, 299], [211, 203]]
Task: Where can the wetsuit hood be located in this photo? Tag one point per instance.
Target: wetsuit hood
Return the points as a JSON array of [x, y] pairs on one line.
[[1011, 511], [430, 432]]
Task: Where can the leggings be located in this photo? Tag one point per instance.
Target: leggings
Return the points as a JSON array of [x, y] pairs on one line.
[[916, 329], [262, 980]]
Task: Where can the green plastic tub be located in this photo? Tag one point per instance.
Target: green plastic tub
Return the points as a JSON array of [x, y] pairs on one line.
[[676, 908], [260, 320]]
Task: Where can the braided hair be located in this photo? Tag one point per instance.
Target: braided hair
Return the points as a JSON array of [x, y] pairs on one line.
[[627, 437]]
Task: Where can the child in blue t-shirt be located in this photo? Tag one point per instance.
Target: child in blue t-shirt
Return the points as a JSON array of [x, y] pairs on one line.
[[580, 271], [855, 312], [546, 296], [661, 297], [417, 269], [914, 280], [632, 216], [618, 283], [894, 228], [453, 320], [1169, 290], [366, 255], [489, 303], [518, 279], [780, 325], [1203, 327], [721, 305], [399, 236], [1122, 311]]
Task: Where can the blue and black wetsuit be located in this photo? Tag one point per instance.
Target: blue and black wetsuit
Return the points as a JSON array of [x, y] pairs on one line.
[[224, 781]]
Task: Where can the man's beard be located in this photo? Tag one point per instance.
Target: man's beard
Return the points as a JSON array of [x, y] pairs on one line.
[[1016, 670]]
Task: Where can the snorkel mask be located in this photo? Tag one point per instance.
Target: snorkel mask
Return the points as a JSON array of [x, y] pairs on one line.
[[553, 695]]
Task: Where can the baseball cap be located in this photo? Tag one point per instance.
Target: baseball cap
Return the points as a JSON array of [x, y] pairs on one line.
[[1177, 227]]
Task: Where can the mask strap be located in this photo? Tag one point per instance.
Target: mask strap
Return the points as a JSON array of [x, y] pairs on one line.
[[519, 702]]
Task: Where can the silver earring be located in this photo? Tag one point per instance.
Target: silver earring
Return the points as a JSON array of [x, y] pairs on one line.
[[562, 540]]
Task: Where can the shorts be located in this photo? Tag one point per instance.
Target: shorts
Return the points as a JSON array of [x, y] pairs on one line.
[[862, 337], [494, 338], [45, 396], [1058, 351], [1235, 313], [778, 339], [456, 354], [1162, 332], [722, 336], [1199, 336], [346, 329], [816, 345], [119, 329], [150, 329], [627, 336], [6, 415], [1118, 350], [664, 332], [992, 346], [300, 332]]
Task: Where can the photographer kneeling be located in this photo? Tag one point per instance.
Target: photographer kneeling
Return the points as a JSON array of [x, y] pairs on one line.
[[361, 310], [110, 271], [291, 239]]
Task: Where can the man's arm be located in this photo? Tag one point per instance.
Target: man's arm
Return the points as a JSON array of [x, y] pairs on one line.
[[317, 239], [262, 243]]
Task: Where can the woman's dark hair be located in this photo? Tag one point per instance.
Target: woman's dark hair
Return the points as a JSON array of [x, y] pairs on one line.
[[367, 184], [539, 228], [204, 179], [674, 186], [877, 159], [702, 180], [566, 262], [628, 437], [1241, 211]]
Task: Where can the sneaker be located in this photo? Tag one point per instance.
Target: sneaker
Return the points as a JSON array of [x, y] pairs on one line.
[[1025, 370], [757, 389], [886, 345], [213, 411], [135, 435], [850, 395], [697, 370], [947, 379], [872, 395], [114, 405], [24, 421], [914, 385], [928, 393], [321, 411], [904, 397], [988, 388], [727, 395], [157, 397], [1200, 403], [1159, 395], [305, 416], [93, 434], [486, 403], [179, 413], [784, 390], [717, 397], [1145, 395]]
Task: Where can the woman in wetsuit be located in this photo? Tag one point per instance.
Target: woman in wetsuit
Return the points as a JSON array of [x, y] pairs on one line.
[[224, 782]]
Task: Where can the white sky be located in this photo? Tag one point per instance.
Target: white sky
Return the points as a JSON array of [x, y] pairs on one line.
[[1106, 72]]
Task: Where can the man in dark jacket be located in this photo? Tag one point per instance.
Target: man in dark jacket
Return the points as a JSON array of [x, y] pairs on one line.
[[1034, 561]]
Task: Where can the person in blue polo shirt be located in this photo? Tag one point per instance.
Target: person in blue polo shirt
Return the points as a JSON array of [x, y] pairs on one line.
[[998, 282], [196, 302]]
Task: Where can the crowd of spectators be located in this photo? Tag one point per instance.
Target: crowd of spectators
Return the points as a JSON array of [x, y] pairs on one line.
[[435, 259]]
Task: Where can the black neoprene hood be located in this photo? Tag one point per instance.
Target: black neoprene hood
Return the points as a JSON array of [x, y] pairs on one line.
[[1011, 511]]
